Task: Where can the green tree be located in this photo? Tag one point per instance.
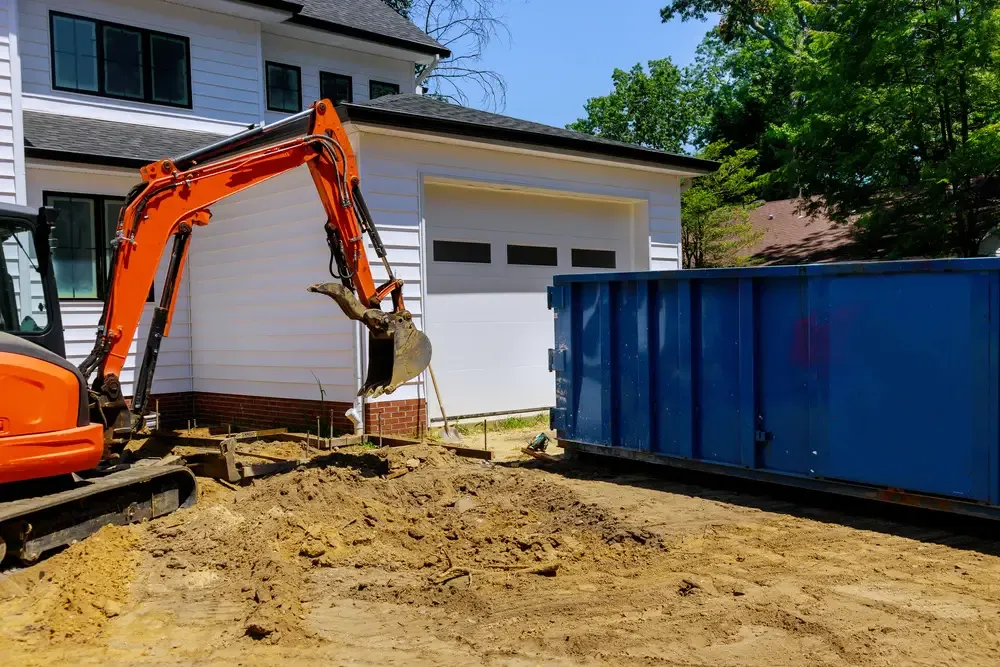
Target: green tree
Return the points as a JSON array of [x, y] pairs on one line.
[[715, 211], [649, 109], [893, 112]]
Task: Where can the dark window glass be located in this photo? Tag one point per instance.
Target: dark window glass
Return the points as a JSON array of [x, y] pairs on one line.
[[168, 61], [462, 251], [100, 58], [593, 259], [531, 255], [123, 66], [378, 89], [81, 242], [337, 88], [284, 88], [74, 53]]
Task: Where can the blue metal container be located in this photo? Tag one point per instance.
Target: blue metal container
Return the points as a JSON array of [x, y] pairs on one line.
[[873, 379]]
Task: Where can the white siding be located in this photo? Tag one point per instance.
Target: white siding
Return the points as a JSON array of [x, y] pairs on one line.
[[11, 141], [313, 58], [225, 65], [257, 330], [394, 168], [80, 317]]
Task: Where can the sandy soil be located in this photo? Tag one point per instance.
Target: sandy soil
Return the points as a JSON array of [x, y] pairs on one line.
[[457, 562]]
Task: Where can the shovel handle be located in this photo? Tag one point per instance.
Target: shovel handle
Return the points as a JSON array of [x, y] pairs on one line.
[[437, 393]]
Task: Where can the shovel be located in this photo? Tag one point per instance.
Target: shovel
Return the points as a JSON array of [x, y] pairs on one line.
[[448, 433]]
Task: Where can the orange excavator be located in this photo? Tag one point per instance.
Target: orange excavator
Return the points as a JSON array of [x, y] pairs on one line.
[[62, 473]]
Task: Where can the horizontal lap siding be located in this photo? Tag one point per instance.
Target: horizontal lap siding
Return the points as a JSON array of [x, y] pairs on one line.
[[225, 68], [404, 159], [257, 330], [8, 161], [313, 58], [80, 318]]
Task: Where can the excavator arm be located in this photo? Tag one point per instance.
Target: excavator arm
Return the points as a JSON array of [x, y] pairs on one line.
[[175, 197]]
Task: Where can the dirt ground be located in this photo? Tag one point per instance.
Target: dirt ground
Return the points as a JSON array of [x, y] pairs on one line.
[[459, 562]]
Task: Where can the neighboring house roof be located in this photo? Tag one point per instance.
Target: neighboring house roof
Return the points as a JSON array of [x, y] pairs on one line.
[[371, 20], [105, 142], [791, 237], [425, 113]]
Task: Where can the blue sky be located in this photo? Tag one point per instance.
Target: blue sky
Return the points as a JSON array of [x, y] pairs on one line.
[[562, 52]]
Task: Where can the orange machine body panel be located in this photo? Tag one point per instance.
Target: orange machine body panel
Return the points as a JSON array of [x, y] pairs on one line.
[[39, 435]]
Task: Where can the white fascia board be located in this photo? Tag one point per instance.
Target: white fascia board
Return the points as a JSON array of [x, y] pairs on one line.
[[304, 33], [524, 149], [243, 10]]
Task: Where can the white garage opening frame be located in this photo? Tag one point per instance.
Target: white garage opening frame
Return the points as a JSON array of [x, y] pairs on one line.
[[638, 257]]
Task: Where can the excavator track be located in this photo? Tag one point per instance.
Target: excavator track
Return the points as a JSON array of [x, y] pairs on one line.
[[31, 526]]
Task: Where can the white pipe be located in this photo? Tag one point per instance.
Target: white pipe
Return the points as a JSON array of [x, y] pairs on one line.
[[427, 72]]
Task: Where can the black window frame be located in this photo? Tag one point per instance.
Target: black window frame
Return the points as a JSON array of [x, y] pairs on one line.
[[447, 246], [344, 78], [100, 240], [577, 261], [147, 67], [267, 84], [392, 86], [531, 255]]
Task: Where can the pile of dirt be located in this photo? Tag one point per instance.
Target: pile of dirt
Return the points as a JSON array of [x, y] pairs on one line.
[[74, 594], [412, 525]]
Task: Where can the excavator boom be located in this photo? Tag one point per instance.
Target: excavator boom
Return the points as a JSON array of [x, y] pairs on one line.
[[175, 197]]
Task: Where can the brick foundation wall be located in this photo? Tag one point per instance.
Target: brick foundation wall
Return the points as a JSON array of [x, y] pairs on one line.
[[405, 418], [250, 412], [175, 409], [402, 418]]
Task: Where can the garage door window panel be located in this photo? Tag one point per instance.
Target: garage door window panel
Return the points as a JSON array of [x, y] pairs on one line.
[[532, 255], [465, 252], [584, 258]]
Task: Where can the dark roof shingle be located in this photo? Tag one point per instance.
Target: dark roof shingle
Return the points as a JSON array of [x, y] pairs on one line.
[[423, 112], [794, 237], [74, 139], [371, 20]]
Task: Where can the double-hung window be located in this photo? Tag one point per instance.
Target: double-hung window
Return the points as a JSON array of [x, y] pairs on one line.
[[81, 242], [338, 88], [112, 60], [284, 87]]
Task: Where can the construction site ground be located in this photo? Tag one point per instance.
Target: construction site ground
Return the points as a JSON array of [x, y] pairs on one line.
[[352, 561]]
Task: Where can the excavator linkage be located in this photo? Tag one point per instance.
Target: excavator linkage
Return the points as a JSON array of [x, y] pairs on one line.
[[397, 350]]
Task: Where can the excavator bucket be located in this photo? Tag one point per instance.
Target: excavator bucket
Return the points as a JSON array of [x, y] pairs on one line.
[[397, 350]]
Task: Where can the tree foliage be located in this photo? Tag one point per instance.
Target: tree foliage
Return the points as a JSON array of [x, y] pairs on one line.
[[715, 211], [887, 110], [649, 109], [466, 28]]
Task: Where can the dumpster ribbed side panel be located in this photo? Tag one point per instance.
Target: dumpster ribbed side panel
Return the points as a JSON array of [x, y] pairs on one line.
[[857, 376]]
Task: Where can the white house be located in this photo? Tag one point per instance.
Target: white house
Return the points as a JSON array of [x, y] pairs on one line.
[[478, 210]]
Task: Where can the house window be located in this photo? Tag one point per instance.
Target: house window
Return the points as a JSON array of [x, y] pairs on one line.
[[284, 88], [111, 60], [532, 255], [462, 251], [81, 243], [593, 259], [378, 89], [337, 88]]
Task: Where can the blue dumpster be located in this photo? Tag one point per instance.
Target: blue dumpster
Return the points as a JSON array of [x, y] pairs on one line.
[[871, 379]]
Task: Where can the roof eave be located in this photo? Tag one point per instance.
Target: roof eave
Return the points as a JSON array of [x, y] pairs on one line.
[[367, 35], [375, 116], [85, 158]]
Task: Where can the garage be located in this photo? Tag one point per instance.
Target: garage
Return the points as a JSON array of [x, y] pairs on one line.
[[487, 275]]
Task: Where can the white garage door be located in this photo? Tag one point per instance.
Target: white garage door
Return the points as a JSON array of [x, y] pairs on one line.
[[490, 256]]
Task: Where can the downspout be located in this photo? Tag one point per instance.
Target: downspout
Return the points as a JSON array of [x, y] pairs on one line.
[[419, 83]]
